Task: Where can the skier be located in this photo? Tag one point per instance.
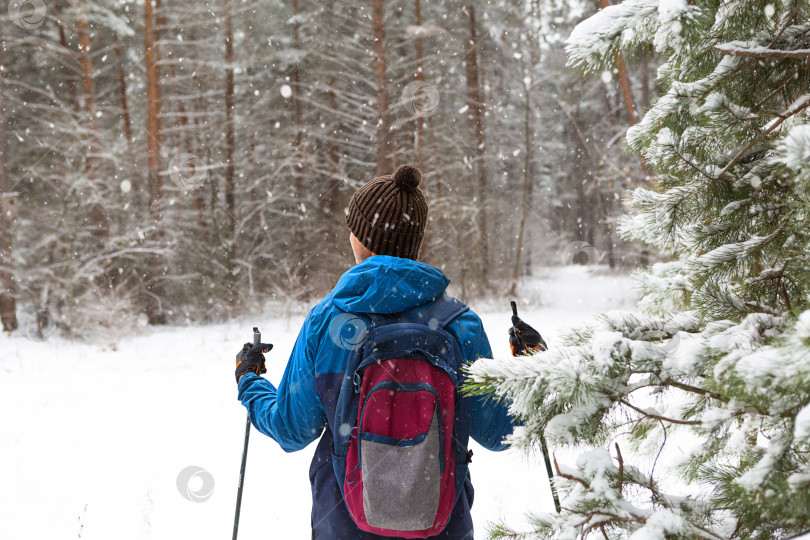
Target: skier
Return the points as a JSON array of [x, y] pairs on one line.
[[387, 219]]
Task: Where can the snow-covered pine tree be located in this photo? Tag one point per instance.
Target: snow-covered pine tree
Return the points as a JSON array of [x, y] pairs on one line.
[[712, 374]]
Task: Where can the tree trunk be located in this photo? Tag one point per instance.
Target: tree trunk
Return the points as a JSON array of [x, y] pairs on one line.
[[232, 235], [330, 202], [8, 290], [420, 76], [86, 63], [196, 109], [169, 78], [255, 220], [475, 117], [528, 80], [645, 81], [383, 121], [63, 42], [154, 280], [299, 154], [159, 21], [627, 91], [122, 92], [624, 80], [99, 214], [434, 245], [230, 130]]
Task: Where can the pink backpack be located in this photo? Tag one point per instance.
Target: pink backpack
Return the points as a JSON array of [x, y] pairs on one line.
[[400, 447]]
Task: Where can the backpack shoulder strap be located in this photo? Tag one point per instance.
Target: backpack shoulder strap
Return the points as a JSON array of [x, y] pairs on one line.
[[444, 310]]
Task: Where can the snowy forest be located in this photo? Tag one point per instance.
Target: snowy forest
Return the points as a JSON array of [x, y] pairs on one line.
[[635, 172], [176, 161]]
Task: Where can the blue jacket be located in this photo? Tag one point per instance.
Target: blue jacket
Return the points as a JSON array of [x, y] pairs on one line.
[[302, 408]]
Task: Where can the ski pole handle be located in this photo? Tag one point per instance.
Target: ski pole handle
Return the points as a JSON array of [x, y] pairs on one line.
[[514, 308], [257, 340]]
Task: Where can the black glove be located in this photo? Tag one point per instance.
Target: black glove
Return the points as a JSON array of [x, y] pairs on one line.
[[251, 359], [523, 339]]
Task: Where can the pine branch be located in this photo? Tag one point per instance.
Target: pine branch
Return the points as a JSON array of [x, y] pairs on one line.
[[793, 110], [694, 389], [657, 416]]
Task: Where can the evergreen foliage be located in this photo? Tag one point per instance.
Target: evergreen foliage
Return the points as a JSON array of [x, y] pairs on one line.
[[712, 375]]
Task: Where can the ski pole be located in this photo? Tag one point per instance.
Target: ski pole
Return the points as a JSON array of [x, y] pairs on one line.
[[550, 473], [543, 445], [257, 338]]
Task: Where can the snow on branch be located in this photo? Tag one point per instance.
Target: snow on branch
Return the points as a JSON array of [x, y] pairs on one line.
[[737, 48], [595, 40], [606, 383], [737, 252], [793, 151], [680, 99], [795, 108]]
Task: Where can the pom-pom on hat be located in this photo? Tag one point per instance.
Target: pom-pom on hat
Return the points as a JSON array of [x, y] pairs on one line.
[[389, 214]]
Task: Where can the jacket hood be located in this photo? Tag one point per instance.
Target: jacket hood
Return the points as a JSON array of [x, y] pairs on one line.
[[384, 284]]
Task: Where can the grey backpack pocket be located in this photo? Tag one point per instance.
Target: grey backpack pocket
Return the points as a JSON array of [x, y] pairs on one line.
[[401, 479]]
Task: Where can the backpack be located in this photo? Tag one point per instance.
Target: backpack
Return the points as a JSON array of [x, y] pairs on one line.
[[401, 428]]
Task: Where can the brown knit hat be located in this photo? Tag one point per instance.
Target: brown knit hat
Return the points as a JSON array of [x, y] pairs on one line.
[[389, 214]]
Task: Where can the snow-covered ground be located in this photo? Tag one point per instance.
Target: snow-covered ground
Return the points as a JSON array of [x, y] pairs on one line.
[[93, 437]]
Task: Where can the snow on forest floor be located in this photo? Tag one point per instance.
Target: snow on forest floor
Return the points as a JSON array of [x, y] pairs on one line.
[[93, 437]]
